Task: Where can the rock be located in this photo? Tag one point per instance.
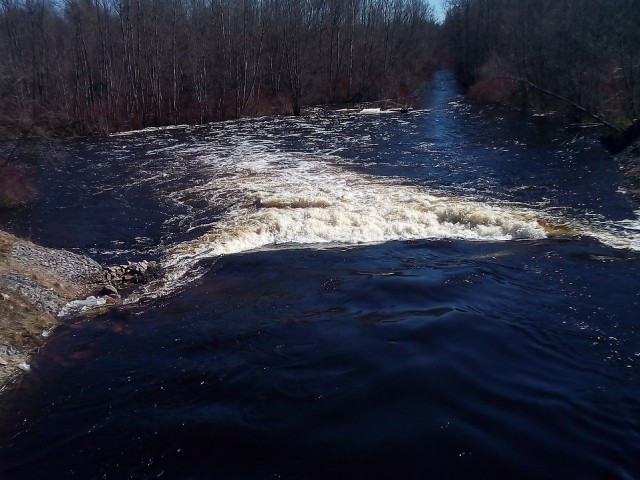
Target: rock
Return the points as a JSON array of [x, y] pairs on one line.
[[109, 290], [24, 366], [153, 270], [132, 272], [38, 282]]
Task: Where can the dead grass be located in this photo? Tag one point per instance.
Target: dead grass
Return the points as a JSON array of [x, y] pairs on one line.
[[6, 241], [21, 321]]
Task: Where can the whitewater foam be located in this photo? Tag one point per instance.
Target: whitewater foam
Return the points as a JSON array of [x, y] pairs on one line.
[[296, 200], [256, 191]]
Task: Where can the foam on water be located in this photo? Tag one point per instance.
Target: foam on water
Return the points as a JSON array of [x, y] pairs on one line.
[[374, 111], [289, 200], [621, 234], [632, 225], [149, 130], [256, 189]]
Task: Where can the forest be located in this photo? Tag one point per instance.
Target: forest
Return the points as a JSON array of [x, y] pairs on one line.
[[99, 66], [579, 58]]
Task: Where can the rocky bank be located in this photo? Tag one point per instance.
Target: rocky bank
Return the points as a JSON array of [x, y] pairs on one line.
[[41, 286]]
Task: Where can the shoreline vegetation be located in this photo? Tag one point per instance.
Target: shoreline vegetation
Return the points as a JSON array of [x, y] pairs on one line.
[[579, 59], [84, 67]]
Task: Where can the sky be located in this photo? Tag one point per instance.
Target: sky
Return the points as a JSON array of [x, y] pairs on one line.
[[438, 6]]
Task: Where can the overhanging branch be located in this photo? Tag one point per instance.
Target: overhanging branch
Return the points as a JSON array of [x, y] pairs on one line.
[[596, 117]]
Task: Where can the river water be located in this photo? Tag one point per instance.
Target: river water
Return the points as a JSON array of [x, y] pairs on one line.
[[448, 293]]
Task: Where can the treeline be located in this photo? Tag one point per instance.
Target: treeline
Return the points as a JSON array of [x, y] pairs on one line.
[[82, 66], [578, 57]]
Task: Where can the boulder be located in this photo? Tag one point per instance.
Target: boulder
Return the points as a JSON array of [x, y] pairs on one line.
[[109, 290], [132, 272]]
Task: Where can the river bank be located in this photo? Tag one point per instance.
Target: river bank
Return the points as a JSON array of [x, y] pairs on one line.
[[629, 160], [35, 283]]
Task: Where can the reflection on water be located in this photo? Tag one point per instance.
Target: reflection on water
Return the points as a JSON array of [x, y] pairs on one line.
[[410, 311]]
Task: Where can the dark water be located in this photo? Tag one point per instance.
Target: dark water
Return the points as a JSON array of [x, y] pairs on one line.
[[441, 356]]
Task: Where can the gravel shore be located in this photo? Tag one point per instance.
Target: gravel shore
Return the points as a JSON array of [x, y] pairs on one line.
[[35, 283]]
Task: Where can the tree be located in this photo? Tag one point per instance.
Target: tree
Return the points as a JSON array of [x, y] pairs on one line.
[[83, 66], [580, 58]]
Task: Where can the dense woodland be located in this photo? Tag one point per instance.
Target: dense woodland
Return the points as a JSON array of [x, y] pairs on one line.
[[98, 66], [576, 57], [83, 66]]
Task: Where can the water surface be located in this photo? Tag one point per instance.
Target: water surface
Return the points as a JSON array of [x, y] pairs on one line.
[[449, 293]]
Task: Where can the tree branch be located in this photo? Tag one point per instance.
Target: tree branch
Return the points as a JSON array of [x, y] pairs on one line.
[[598, 118]]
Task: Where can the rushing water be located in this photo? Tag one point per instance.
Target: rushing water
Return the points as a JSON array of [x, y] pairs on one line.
[[449, 293]]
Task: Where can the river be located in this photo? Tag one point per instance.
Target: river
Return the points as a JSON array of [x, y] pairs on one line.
[[447, 293]]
